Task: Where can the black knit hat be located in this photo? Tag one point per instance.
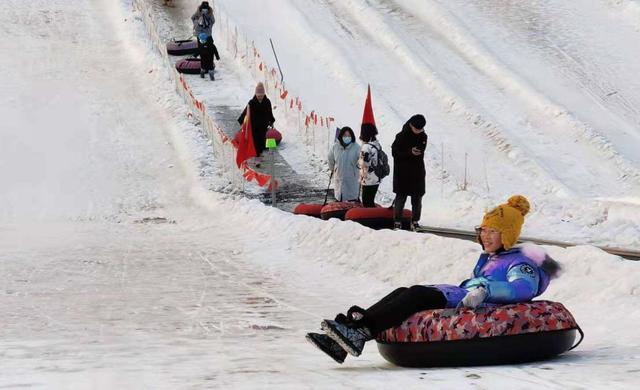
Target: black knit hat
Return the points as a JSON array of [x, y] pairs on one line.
[[418, 121]]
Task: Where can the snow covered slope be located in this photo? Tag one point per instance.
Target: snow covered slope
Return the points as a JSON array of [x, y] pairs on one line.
[[542, 98], [101, 289]]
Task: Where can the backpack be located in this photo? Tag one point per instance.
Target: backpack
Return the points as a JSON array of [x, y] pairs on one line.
[[382, 169]]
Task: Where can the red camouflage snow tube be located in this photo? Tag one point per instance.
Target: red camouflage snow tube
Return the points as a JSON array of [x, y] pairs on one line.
[[182, 47], [188, 65], [337, 209], [377, 217], [309, 209], [501, 334]]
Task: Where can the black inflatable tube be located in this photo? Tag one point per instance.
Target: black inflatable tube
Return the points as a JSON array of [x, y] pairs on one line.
[[182, 47], [182, 68], [519, 348]]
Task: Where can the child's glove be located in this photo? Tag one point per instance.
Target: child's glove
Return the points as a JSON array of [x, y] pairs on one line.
[[474, 298]]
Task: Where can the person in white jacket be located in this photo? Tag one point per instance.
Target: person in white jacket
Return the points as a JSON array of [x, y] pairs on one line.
[[343, 162], [368, 162]]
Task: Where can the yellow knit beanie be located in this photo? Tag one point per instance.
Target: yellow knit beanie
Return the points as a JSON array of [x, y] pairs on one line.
[[508, 219]]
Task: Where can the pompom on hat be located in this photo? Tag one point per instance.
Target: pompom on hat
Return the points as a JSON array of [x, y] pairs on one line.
[[508, 219]]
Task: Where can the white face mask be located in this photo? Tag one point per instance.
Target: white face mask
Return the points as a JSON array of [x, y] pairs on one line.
[[205, 11]]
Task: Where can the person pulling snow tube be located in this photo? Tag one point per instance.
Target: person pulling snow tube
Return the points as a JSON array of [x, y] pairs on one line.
[[377, 217], [182, 47], [188, 65], [337, 209], [309, 209], [500, 334]]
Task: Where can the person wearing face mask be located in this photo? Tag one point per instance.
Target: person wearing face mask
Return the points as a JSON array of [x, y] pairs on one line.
[[203, 20], [343, 162], [504, 273], [408, 169], [261, 117]]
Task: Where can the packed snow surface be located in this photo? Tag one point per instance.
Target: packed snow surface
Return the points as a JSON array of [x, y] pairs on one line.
[[121, 269]]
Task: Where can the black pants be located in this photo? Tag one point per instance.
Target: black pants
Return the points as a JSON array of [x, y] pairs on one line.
[[369, 195], [416, 207], [259, 139], [400, 304]]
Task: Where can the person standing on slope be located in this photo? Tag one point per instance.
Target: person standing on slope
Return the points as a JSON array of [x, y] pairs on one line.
[[207, 51], [408, 169], [343, 163], [368, 162], [203, 20], [504, 273]]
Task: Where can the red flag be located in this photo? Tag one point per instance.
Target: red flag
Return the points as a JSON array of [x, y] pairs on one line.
[[263, 179], [244, 141], [260, 66], [291, 105], [367, 116], [284, 94]]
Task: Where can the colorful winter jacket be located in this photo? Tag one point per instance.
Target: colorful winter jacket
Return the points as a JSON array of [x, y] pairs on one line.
[[367, 162], [517, 275]]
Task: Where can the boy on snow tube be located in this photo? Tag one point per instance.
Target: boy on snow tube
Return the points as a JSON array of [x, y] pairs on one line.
[[504, 273]]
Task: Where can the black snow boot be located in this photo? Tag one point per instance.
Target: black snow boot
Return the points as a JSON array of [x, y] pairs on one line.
[[327, 345], [211, 76], [350, 339], [202, 73], [354, 317]]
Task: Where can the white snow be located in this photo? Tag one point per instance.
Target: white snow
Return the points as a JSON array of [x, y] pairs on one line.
[[220, 290], [540, 97]]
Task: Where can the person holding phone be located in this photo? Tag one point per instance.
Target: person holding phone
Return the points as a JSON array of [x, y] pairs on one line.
[[408, 169]]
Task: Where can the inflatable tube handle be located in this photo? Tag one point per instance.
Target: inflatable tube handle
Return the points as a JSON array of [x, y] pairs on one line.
[[326, 195], [581, 337], [183, 40]]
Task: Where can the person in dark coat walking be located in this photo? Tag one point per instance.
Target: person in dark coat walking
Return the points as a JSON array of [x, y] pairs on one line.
[[408, 169], [261, 117], [207, 51]]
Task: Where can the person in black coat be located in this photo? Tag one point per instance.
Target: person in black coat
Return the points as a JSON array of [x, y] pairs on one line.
[[207, 51], [408, 169], [261, 117]]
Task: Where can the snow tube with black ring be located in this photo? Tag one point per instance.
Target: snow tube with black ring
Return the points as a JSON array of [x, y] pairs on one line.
[[500, 334], [377, 217], [182, 47], [188, 65], [309, 209], [275, 134], [337, 209]]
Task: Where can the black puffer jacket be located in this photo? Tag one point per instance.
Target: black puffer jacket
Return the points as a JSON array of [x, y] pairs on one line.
[[408, 170], [208, 51]]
